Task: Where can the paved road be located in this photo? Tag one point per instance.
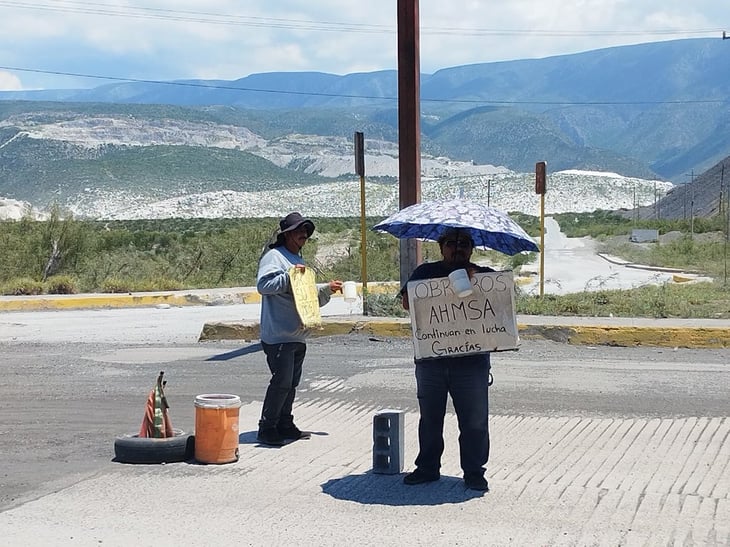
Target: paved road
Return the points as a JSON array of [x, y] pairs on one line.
[[602, 446], [162, 324], [572, 265]]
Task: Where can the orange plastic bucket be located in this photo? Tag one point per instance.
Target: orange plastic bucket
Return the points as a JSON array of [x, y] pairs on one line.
[[216, 428]]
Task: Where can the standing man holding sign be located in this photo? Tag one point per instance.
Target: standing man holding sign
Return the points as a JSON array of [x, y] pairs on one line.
[[464, 377], [283, 329]]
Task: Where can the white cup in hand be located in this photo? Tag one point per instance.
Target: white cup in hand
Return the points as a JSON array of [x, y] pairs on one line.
[[460, 283], [349, 290]]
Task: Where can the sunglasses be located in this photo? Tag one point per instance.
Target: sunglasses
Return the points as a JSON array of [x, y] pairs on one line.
[[300, 230], [461, 244]]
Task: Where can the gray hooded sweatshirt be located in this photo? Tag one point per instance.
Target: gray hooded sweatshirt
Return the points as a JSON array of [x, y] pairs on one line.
[[280, 322]]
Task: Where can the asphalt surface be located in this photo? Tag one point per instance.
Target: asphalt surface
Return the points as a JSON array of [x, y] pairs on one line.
[[592, 444]]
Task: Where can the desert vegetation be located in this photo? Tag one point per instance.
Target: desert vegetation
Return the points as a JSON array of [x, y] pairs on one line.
[[63, 256]]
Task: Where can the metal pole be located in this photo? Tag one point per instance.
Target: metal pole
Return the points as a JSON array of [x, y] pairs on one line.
[[722, 191], [409, 125], [542, 245], [692, 208], [363, 247], [635, 207], [727, 222], [360, 170]]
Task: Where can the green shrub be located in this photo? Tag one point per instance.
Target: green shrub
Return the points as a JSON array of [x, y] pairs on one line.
[[516, 262], [116, 285], [385, 305], [61, 284], [159, 284], [23, 286]]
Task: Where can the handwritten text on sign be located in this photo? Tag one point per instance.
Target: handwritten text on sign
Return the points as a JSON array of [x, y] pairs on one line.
[[304, 287], [445, 325]]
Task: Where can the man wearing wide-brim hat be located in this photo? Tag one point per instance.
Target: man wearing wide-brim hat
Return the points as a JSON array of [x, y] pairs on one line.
[[283, 335]]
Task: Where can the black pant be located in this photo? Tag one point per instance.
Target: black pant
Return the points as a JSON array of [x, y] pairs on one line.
[[467, 381], [285, 363]]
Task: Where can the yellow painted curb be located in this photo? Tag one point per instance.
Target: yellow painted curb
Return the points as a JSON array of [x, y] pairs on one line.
[[591, 336], [673, 337], [98, 302], [244, 330], [250, 297], [229, 331]]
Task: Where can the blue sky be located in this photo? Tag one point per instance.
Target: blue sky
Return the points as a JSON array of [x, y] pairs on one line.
[[230, 39]]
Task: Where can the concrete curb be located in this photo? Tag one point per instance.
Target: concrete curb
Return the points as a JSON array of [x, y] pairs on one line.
[[219, 297], [130, 300], [672, 337], [592, 335], [577, 331]]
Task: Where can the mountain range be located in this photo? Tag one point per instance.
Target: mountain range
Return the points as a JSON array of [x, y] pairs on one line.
[[652, 113]]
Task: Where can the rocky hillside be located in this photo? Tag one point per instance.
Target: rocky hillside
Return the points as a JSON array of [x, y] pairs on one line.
[[703, 195], [654, 109], [117, 166], [574, 191]]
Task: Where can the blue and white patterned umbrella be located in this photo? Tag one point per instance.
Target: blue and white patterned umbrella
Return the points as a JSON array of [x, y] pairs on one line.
[[490, 228]]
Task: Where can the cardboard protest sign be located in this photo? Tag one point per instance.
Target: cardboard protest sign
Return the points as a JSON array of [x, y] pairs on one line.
[[445, 325], [304, 288]]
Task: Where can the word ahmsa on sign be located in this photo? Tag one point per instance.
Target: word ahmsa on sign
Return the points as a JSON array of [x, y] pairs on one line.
[[445, 325]]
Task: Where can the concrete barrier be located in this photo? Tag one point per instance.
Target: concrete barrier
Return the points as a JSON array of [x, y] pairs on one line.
[[590, 334]]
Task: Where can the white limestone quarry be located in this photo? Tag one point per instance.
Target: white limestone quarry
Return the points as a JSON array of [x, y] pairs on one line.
[[11, 209], [573, 191], [442, 178], [91, 132]]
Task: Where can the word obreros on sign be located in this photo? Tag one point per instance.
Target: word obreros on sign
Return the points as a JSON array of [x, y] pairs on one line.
[[445, 325], [306, 298]]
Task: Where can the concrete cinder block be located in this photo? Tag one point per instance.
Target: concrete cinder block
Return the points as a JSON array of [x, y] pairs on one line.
[[388, 441]]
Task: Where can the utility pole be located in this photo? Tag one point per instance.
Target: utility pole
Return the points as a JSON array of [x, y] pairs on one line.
[[540, 189], [360, 170], [692, 206], [635, 204], [489, 190], [409, 125], [727, 221], [721, 204], [691, 203]]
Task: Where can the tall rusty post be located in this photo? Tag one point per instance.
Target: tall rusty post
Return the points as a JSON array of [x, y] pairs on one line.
[[540, 189], [409, 125]]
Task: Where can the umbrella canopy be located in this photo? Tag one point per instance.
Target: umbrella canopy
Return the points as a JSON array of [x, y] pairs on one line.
[[490, 228]]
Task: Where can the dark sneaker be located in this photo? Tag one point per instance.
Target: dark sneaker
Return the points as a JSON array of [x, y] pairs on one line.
[[291, 433], [270, 437], [476, 482], [420, 477]]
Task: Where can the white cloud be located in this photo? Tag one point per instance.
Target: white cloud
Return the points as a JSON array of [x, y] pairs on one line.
[[9, 82], [229, 39]]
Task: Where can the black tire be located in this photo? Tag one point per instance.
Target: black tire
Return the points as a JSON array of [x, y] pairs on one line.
[[136, 449]]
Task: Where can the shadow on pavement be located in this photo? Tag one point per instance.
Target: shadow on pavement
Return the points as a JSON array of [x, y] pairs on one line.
[[375, 489], [253, 348], [249, 437]]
